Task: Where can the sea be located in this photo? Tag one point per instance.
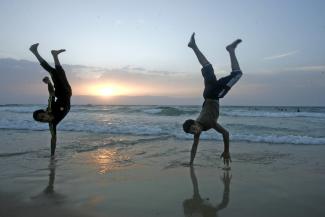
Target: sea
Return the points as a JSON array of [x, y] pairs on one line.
[[255, 124]]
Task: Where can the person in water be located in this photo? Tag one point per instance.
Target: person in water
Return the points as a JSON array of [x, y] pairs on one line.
[[59, 94], [214, 89]]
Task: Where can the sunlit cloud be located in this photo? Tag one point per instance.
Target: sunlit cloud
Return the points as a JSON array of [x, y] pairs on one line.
[[84, 72], [132, 81], [279, 56]]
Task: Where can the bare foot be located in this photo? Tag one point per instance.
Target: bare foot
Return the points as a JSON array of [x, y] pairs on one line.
[[33, 48], [192, 43], [57, 52], [233, 45]]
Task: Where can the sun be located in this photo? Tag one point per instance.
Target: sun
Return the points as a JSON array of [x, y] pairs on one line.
[[106, 91], [109, 89]]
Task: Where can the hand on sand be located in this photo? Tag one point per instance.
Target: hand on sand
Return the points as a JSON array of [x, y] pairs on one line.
[[226, 158], [46, 80]]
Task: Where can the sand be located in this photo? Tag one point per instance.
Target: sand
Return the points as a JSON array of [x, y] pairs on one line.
[[150, 177]]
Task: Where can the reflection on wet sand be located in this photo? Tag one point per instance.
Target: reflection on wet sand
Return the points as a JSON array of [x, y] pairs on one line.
[[105, 159], [109, 159], [197, 206], [49, 193]]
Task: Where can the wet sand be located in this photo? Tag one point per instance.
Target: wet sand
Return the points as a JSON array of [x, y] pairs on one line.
[[150, 177]]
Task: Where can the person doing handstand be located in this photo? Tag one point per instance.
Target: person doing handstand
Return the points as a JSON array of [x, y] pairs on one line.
[[59, 94], [214, 89]]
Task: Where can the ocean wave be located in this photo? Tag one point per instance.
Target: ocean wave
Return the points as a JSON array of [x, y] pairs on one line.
[[277, 114], [149, 110], [170, 111], [175, 110], [178, 134], [169, 127], [270, 139], [21, 109], [258, 128], [149, 121], [14, 154], [276, 139]]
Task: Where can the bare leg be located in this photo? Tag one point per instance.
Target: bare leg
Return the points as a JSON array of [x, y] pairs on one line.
[[34, 50], [55, 54], [43, 63], [202, 59], [60, 78], [233, 59]]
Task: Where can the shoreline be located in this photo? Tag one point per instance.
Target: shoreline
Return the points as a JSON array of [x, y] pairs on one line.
[[120, 177]]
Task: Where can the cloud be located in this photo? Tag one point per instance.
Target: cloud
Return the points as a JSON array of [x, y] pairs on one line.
[[279, 56], [139, 69], [5, 54], [314, 68], [154, 82], [21, 83]]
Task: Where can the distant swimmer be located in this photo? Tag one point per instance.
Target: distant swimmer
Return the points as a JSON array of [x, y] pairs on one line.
[[214, 89], [59, 94]]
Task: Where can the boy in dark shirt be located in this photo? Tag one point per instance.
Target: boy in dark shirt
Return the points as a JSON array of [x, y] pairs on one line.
[[57, 108], [214, 89]]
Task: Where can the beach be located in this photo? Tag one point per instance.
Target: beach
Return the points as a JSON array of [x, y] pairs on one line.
[[134, 176], [157, 109], [133, 161]]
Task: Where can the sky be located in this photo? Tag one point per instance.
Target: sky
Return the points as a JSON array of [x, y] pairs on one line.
[[139, 49]]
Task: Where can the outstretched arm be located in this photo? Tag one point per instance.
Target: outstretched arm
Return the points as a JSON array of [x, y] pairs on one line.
[[194, 147], [51, 100], [53, 138], [50, 88], [225, 134]]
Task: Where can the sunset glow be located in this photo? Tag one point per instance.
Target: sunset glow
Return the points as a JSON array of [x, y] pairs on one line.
[[106, 90]]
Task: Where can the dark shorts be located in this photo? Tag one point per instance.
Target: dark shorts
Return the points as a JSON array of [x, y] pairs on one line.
[[214, 88]]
